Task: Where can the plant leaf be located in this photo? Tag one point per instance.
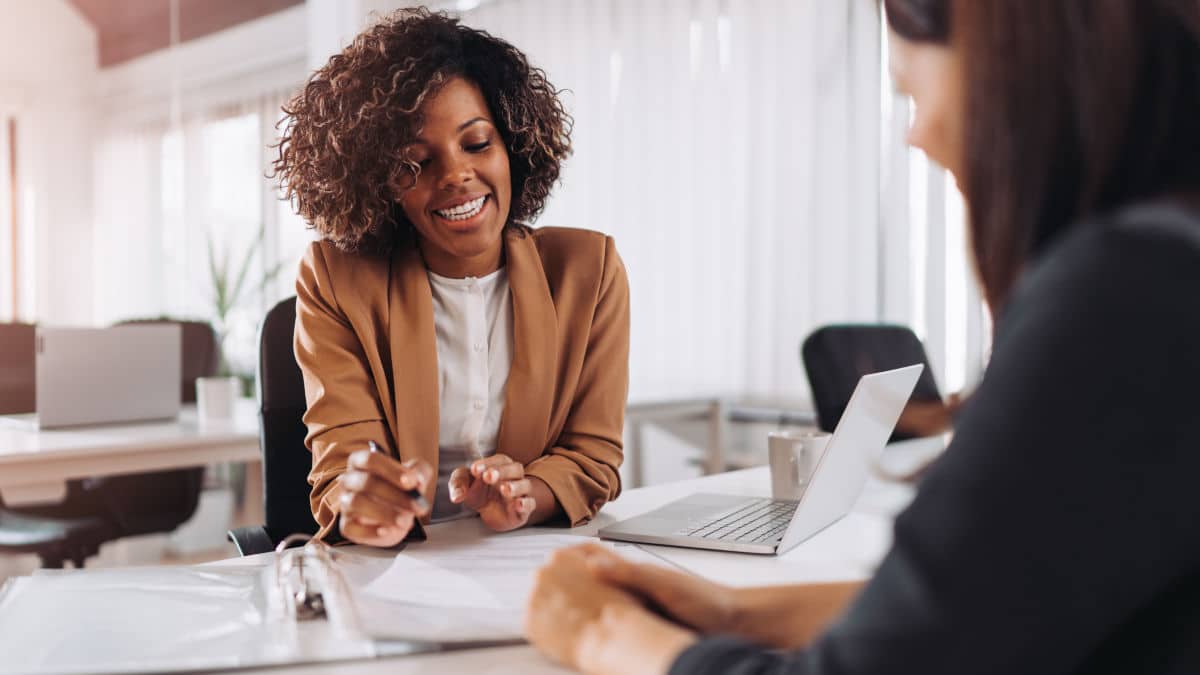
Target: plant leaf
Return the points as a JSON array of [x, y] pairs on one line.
[[244, 268]]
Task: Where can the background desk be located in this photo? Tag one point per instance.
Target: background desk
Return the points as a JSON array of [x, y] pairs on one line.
[[849, 549], [35, 465], [717, 414]]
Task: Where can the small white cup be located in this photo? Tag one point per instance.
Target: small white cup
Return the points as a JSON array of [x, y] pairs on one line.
[[792, 456], [215, 397]]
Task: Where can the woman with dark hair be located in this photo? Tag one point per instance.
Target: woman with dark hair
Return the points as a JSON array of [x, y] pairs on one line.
[[487, 361], [1058, 532]]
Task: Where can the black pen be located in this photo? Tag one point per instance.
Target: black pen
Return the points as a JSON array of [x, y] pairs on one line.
[[414, 494]]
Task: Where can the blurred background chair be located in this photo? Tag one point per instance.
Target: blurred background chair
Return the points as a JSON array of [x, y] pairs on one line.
[[17, 371], [53, 540], [836, 356], [98, 510], [285, 460]]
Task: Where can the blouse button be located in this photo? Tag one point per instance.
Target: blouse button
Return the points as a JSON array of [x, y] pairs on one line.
[[478, 405]]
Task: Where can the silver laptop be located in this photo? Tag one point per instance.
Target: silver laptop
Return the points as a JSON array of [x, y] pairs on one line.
[[91, 376], [757, 525]]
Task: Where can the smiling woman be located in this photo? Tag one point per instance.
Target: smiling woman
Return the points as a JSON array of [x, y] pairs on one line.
[[488, 359], [459, 200]]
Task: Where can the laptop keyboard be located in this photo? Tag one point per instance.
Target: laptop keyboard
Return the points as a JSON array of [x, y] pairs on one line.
[[760, 521]]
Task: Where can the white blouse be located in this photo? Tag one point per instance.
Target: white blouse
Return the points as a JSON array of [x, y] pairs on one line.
[[472, 319]]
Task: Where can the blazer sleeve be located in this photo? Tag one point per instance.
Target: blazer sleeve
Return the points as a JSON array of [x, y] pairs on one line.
[[344, 411], [581, 467]]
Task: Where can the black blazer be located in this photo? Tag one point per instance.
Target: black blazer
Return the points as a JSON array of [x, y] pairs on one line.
[[1060, 531]]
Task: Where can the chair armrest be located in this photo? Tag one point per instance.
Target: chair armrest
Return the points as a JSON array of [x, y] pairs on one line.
[[251, 540]]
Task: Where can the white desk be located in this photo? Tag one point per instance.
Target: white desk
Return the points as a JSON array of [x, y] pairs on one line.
[[849, 549], [34, 465]]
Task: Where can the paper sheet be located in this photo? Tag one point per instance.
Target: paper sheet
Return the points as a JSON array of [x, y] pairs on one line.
[[457, 589]]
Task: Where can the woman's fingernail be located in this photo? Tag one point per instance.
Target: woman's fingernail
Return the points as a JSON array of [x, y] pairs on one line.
[[382, 531], [493, 474]]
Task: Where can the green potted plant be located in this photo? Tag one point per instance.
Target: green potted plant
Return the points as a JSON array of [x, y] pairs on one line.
[[232, 285]]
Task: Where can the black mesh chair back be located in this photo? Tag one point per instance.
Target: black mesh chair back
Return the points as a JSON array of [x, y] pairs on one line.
[[160, 501], [836, 356], [201, 352], [286, 461]]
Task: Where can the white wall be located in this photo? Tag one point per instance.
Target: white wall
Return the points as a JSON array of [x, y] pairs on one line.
[[47, 61]]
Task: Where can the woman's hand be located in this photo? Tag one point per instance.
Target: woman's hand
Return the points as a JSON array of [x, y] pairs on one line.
[[375, 507], [686, 599], [785, 617], [586, 624], [929, 418], [496, 487]]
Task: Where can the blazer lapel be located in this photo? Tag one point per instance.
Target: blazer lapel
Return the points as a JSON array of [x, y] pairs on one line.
[[529, 394], [414, 360]]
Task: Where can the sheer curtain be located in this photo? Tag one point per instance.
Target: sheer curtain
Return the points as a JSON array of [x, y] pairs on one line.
[[8, 257], [178, 208], [732, 148], [928, 282]]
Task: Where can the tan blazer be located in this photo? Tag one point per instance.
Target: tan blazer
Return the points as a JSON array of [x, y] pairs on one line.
[[365, 343]]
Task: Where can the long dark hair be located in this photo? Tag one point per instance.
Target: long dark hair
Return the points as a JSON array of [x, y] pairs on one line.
[[1073, 108]]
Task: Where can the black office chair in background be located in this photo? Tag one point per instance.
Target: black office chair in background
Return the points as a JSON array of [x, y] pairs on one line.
[[285, 461], [836, 356], [99, 510], [17, 372], [160, 501], [53, 540]]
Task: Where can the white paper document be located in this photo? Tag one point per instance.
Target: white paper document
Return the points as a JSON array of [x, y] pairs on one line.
[[453, 589], [460, 589]]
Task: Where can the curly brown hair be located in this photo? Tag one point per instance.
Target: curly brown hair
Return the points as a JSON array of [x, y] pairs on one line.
[[342, 155]]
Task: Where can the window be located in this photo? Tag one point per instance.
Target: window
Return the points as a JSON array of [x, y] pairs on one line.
[[928, 280], [189, 225], [8, 239]]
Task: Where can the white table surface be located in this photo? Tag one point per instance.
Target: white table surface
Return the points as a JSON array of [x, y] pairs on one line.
[[34, 465], [849, 549]]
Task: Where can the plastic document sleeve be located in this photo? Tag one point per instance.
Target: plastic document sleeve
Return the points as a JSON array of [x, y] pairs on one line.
[[299, 609]]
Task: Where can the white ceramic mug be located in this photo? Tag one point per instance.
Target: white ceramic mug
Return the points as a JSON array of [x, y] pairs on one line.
[[792, 456], [215, 397]]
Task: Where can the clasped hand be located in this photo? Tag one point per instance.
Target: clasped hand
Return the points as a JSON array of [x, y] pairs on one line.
[[589, 609], [376, 509], [496, 488]]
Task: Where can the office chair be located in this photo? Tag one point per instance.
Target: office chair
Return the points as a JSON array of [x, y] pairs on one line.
[[285, 461], [17, 370], [836, 356], [160, 501], [98, 510], [53, 540]]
